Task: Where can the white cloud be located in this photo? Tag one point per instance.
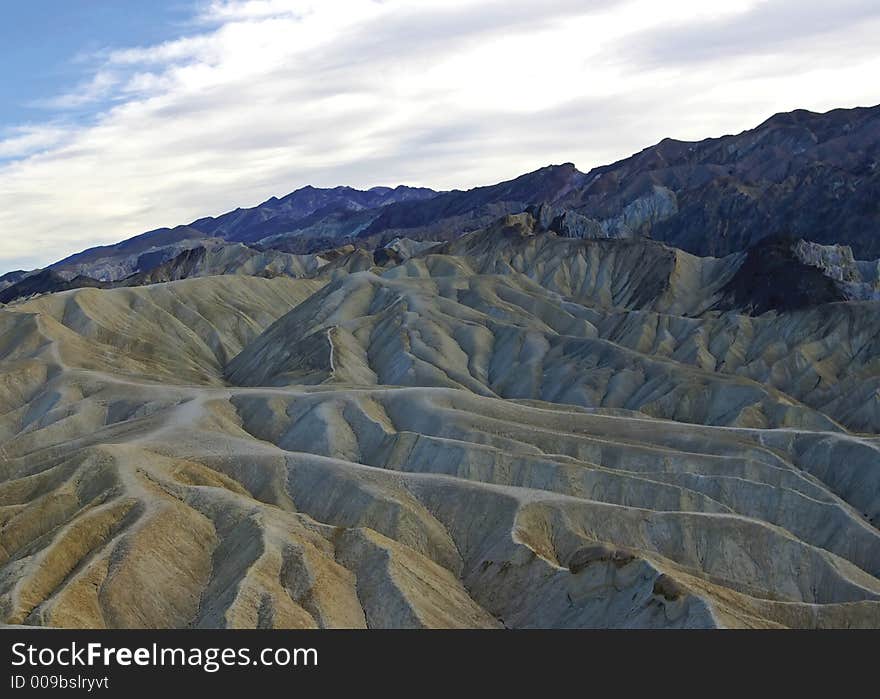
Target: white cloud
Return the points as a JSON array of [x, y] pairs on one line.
[[237, 10], [269, 95], [99, 87], [21, 141]]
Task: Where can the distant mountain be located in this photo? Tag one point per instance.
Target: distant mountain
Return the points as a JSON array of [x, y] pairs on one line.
[[13, 277], [145, 251], [799, 175], [303, 210], [802, 174], [310, 220], [45, 281], [320, 217]]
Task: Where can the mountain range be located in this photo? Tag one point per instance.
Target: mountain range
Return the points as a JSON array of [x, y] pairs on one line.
[[799, 175]]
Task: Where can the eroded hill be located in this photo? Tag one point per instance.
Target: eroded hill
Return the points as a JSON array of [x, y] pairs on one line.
[[513, 429]]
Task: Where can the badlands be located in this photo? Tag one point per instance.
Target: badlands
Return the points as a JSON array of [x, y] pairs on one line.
[[512, 429]]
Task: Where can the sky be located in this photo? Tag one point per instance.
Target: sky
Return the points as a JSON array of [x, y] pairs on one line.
[[120, 117]]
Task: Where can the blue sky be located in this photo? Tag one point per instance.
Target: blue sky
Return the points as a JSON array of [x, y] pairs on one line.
[[120, 117], [47, 47]]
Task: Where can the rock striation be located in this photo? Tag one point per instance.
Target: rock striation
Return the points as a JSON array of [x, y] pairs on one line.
[[514, 429]]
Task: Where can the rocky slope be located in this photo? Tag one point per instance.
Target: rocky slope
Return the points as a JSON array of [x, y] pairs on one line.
[[802, 174], [46, 281], [309, 212], [206, 259], [512, 429]]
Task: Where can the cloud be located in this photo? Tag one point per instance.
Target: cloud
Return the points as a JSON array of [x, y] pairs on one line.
[[22, 141], [235, 10], [265, 96], [98, 88], [767, 28]]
